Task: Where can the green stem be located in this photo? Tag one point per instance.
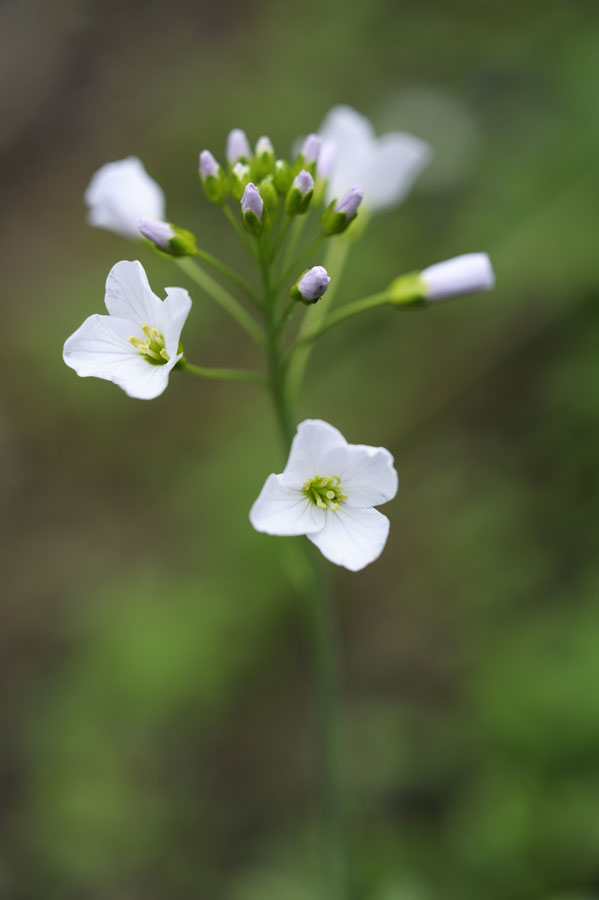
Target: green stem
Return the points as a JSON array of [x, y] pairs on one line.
[[329, 708], [337, 252], [229, 273], [238, 229], [224, 374], [280, 238], [224, 299], [345, 312], [299, 259], [330, 728]]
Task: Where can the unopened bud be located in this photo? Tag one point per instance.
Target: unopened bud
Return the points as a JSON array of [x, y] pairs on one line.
[[264, 158], [327, 158], [311, 285], [240, 178], [252, 210], [299, 194], [461, 275], [268, 192], [168, 238], [341, 213], [282, 176], [310, 149], [215, 183], [238, 147]]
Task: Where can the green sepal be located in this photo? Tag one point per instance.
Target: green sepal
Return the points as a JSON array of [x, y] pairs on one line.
[[407, 290], [300, 163], [296, 203], [253, 224], [335, 222], [282, 176], [182, 244], [216, 187], [268, 192], [263, 165], [238, 185]]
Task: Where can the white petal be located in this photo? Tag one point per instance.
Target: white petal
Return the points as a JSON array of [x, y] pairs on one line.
[[352, 537], [283, 510], [397, 161], [461, 275], [129, 295], [310, 445], [120, 194], [176, 309], [99, 348], [367, 475], [346, 127]]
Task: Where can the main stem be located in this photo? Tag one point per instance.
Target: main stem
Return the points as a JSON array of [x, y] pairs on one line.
[[330, 730]]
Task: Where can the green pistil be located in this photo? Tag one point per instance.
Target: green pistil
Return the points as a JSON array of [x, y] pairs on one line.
[[324, 492], [152, 347]]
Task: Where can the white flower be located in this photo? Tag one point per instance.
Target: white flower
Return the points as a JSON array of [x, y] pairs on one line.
[[120, 194], [384, 167], [137, 345], [327, 492]]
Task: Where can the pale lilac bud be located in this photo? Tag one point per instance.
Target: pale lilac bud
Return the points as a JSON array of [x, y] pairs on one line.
[[238, 146], [348, 204], [310, 148], [264, 146], [304, 182], [208, 165], [326, 159], [461, 275], [313, 283], [160, 233], [252, 201]]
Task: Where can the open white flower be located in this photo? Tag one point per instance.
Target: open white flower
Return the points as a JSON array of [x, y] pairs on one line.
[[384, 167], [327, 492], [137, 345], [120, 194]]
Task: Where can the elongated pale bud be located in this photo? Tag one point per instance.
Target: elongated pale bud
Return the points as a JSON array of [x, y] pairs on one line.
[[264, 158], [311, 285], [215, 183], [238, 147], [455, 277], [461, 275], [342, 212], [168, 238], [309, 152], [240, 178], [252, 210], [299, 194], [327, 158]]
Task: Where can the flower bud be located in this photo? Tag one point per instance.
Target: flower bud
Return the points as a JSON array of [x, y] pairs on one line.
[[309, 152], [264, 158], [312, 284], [168, 238], [282, 176], [240, 178], [215, 183], [299, 194], [268, 192], [461, 275], [341, 213], [327, 158], [238, 147], [253, 213], [455, 277]]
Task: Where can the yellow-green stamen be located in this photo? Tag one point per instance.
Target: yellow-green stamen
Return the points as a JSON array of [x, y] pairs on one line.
[[152, 347], [324, 492]]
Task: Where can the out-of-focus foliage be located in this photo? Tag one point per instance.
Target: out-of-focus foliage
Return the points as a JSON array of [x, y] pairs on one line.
[[157, 735]]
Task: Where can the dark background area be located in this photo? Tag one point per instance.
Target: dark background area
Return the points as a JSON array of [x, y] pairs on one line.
[[157, 731]]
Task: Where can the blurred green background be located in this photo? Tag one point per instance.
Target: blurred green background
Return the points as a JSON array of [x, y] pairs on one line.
[[157, 737]]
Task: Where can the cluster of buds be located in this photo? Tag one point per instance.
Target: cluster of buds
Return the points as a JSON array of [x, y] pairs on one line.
[[259, 181]]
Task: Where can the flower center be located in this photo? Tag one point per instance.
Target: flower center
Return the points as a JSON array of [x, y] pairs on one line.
[[324, 491], [152, 347]]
